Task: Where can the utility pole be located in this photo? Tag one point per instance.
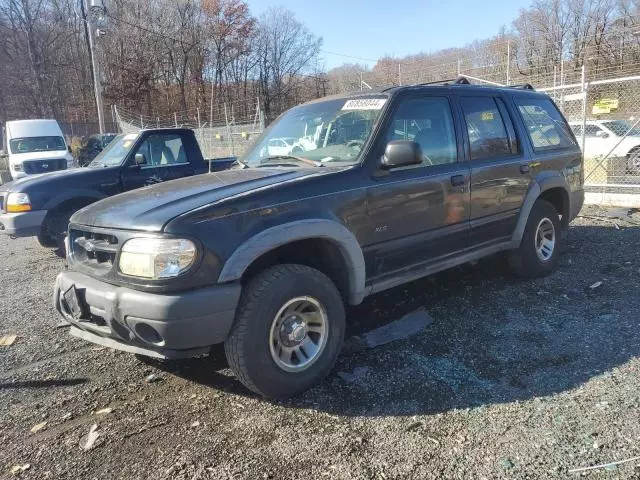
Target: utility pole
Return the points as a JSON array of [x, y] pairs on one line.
[[90, 10]]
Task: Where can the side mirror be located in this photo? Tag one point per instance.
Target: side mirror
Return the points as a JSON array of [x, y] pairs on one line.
[[69, 148], [401, 153], [139, 160], [602, 134]]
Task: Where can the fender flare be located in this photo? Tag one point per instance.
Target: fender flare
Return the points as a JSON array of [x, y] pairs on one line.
[[76, 194], [539, 186], [274, 237]]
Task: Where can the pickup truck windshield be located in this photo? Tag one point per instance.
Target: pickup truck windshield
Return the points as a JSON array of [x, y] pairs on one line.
[[36, 144], [326, 131], [114, 153]]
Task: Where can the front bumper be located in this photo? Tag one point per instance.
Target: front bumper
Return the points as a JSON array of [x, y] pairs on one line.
[[25, 224], [177, 325]]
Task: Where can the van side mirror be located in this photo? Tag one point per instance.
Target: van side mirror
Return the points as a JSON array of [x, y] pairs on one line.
[[69, 148], [401, 153], [139, 159], [602, 134]]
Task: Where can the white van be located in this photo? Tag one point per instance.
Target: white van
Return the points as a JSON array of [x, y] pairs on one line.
[[35, 146]]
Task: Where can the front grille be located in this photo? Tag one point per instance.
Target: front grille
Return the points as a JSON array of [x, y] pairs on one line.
[[93, 250], [32, 167]]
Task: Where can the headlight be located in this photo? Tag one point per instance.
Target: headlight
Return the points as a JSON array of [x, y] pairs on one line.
[[18, 202], [156, 257]]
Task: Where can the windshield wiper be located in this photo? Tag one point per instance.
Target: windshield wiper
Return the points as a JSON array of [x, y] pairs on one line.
[[306, 161]]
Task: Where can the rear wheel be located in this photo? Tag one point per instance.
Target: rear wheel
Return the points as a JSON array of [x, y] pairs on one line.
[[538, 252], [288, 331]]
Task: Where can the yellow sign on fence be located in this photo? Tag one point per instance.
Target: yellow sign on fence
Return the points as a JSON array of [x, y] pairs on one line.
[[605, 105]]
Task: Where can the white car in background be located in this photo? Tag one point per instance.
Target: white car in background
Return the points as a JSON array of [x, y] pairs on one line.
[[616, 138]]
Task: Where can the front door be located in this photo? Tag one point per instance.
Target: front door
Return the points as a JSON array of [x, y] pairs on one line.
[[500, 174], [419, 214], [164, 160]]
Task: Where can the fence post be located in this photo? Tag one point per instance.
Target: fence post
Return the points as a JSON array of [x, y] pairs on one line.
[[585, 87], [226, 119], [508, 62], [141, 122], [175, 119], [399, 75]]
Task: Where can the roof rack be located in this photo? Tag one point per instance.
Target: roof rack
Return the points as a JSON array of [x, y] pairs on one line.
[[450, 81], [524, 86]]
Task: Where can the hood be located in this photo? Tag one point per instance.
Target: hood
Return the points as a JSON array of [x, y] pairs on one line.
[[23, 157], [150, 208], [53, 182]]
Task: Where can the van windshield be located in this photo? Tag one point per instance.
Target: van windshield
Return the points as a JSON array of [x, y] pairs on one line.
[[318, 133], [114, 153], [36, 144]]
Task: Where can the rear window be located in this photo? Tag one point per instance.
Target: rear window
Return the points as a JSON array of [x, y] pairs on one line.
[[545, 125]]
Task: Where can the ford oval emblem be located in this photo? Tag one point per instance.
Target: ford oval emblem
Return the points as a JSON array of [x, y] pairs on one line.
[[45, 165]]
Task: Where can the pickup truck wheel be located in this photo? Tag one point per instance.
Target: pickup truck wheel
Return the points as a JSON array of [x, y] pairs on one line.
[[538, 252], [45, 240], [57, 227], [288, 331]]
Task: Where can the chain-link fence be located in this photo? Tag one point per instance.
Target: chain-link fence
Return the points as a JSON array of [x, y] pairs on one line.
[[605, 117], [226, 131]]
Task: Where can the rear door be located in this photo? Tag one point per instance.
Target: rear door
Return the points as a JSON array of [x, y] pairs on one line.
[[500, 174], [165, 159], [419, 214]]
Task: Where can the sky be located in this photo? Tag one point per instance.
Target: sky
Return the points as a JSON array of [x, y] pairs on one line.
[[370, 29]]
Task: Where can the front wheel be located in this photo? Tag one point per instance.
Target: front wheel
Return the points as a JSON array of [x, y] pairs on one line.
[[288, 331], [633, 162], [538, 252]]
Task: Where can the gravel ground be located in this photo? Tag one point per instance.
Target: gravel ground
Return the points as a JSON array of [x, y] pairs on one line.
[[511, 379]]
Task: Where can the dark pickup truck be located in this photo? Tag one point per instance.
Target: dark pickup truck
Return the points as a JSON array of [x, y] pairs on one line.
[[381, 189], [41, 205]]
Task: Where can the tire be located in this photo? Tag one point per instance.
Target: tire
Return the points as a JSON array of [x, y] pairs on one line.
[[57, 226], [268, 316], [45, 240], [633, 161], [535, 257]]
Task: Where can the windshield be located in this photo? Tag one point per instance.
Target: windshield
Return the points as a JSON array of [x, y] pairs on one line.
[[36, 144], [621, 128], [328, 131], [114, 153]]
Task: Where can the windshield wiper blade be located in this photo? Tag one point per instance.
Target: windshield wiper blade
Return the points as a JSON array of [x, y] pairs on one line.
[[292, 157]]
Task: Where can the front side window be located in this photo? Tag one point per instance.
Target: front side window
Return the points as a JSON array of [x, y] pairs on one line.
[[36, 144], [162, 150], [429, 122], [488, 136], [329, 131], [592, 131], [545, 125]]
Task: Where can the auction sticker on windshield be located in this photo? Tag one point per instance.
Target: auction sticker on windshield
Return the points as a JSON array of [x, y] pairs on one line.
[[365, 104]]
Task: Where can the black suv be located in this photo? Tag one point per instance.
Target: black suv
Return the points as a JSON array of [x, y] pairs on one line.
[[338, 199]]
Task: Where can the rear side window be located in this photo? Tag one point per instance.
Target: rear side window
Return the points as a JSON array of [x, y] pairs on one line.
[[488, 137], [545, 125]]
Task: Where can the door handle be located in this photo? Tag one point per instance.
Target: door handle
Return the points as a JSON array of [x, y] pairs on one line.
[[457, 181], [524, 169]]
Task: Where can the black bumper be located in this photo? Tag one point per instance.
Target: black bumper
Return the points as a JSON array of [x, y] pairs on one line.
[[175, 325]]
